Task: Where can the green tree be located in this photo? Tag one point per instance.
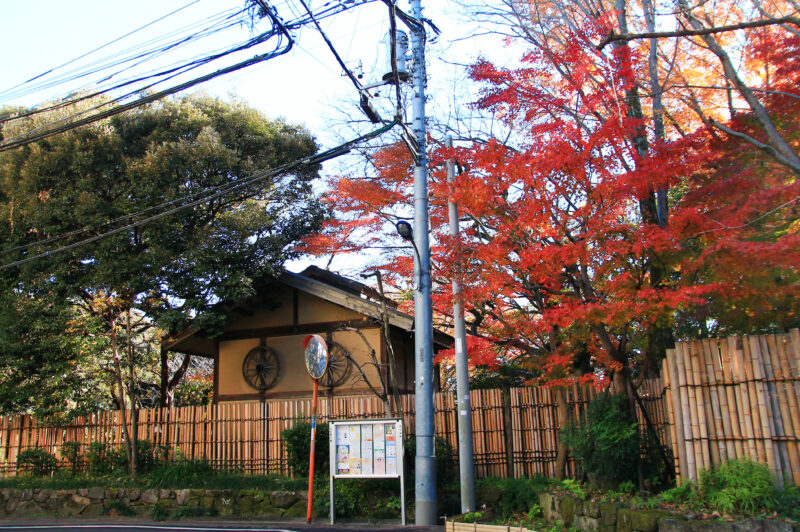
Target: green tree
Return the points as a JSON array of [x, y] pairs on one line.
[[115, 173]]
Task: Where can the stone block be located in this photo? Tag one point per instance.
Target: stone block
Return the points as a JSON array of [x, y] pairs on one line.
[[283, 499], [81, 500], [96, 493], [83, 492], [298, 509], [134, 494], [586, 523], [28, 508], [647, 520], [671, 524], [549, 508], [244, 505], [165, 494], [591, 508], [181, 496], [93, 510], [206, 503], [225, 506], [149, 496], [608, 514], [42, 495], [114, 494], [568, 507], [771, 525]]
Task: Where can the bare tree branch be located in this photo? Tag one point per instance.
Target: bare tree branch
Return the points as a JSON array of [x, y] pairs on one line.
[[614, 36]]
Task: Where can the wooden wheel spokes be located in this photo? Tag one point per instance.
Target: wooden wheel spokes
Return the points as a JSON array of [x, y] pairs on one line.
[[338, 366], [261, 368]]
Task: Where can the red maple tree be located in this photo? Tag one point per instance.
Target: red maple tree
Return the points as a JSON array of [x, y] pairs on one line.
[[562, 259]]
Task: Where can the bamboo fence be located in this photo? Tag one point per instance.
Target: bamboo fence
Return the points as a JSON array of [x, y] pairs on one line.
[[515, 430], [735, 397]]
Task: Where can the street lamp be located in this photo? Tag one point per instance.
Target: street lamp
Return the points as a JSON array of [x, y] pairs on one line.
[[405, 231]]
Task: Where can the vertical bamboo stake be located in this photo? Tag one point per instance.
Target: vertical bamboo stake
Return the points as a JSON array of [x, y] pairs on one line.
[[733, 403], [781, 418], [676, 436], [747, 396], [783, 344], [761, 402], [683, 389], [697, 408], [702, 394], [715, 427], [716, 356]]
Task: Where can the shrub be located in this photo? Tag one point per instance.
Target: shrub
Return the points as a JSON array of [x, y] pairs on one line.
[[181, 472], [738, 485], [103, 459], [517, 495], [298, 447], [100, 459], [71, 452], [446, 460], [37, 462], [605, 442]]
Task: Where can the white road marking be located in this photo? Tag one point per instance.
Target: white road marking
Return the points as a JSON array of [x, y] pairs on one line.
[[144, 527]]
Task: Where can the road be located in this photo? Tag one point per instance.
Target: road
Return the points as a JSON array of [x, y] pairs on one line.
[[119, 525]]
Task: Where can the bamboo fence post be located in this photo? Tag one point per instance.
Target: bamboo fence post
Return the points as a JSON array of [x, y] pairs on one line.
[[783, 346], [759, 377], [781, 418], [703, 398], [734, 406], [745, 394], [714, 418], [676, 416]]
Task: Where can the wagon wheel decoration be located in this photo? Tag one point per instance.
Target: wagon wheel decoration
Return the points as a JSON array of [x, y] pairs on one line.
[[260, 368], [338, 366]]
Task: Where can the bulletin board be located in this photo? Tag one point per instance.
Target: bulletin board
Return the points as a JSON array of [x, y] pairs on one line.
[[366, 449]]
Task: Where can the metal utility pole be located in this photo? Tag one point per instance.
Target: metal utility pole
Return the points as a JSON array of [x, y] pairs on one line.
[[425, 461], [466, 466]]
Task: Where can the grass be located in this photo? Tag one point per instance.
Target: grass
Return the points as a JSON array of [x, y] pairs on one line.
[[157, 479]]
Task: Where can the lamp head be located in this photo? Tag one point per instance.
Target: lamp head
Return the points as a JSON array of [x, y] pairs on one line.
[[404, 230]]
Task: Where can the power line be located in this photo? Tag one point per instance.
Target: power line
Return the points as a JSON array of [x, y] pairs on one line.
[[218, 193], [279, 29], [99, 47]]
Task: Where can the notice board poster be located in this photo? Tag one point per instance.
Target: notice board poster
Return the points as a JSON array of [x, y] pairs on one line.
[[369, 449]]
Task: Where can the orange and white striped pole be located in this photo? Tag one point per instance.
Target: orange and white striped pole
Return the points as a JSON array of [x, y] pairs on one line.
[[311, 457]]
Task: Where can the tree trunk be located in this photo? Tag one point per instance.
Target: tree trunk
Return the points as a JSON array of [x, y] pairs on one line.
[[563, 421], [122, 407], [167, 388], [133, 396]]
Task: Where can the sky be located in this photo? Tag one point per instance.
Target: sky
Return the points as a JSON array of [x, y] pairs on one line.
[[305, 86]]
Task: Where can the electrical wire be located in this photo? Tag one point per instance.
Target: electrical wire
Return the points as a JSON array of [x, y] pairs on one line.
[[339, 59], [279, 29], [217, 192], [99, 47], [74, 121]]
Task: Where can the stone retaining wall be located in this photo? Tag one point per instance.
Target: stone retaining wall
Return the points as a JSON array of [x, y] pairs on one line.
[[594, 516], [151, 503]]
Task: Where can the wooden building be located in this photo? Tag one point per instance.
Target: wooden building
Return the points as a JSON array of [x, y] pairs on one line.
[[260, 353]]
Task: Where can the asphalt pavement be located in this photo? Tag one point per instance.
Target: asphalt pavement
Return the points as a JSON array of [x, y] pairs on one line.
[[118, 525]]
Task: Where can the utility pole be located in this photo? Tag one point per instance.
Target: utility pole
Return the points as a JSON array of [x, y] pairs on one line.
[[466, 466], [425, 461]]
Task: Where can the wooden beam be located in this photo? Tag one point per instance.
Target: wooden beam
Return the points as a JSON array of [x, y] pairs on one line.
[[215, 389], [255, 396], [290, 330], [295, 307], [345, 299]]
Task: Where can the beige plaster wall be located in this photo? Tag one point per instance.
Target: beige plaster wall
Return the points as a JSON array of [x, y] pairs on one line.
[[293, 378], [315, 310]]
